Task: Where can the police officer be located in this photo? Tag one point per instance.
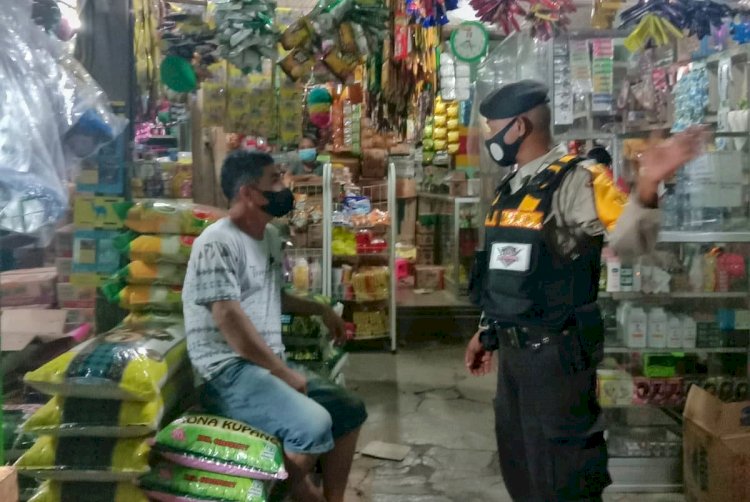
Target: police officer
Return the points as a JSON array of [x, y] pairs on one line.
[[537, 280]]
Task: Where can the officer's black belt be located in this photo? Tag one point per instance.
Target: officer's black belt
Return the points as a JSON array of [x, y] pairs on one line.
[[520, 337]]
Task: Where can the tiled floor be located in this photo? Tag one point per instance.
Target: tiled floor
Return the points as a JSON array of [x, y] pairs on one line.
[[423, 398]]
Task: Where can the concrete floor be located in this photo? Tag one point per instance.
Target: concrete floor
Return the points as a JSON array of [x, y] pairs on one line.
[[423, 398]]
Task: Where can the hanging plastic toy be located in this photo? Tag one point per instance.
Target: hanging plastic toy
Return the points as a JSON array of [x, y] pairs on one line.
[[544, 16], [500, 12], [652, 30], [319, 102]]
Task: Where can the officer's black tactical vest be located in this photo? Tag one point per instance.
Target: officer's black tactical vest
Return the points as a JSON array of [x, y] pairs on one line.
[[527, 281]]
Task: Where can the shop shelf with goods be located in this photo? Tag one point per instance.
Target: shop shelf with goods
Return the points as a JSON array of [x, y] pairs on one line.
[[360, 260], [677, 318], [304, 253]]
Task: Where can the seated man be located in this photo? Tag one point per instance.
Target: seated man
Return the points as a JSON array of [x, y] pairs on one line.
[[233, 302]]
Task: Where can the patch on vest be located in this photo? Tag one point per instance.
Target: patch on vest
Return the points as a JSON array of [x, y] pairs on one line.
[[510, 256]]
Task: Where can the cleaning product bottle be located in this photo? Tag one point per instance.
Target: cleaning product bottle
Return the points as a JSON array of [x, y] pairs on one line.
[[301, 275], [674, 332], [657, 328], [689, 332], [636, 323]]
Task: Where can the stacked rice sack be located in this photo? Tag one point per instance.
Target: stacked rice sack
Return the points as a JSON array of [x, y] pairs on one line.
[[158, 246], [205, 458], [110, 395]]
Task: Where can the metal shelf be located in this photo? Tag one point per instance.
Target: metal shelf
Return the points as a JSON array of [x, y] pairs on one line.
[[703, 237]]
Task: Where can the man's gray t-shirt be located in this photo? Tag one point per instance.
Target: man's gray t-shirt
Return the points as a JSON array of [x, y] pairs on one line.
[[228, 264]]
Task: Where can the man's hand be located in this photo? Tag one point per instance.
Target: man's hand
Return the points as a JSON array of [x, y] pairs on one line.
[[660, 162], [478, 361], [295, 380], [335, 325]]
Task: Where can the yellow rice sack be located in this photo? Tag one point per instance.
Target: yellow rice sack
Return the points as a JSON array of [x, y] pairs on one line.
[[170, 217], [85, 459], [141, 297], [156, 248], [124, 364], [161, 274], [138, 320], [87, 491], [109, 418]]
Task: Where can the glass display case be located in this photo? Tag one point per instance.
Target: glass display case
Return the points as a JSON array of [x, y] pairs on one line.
[[456, 236]]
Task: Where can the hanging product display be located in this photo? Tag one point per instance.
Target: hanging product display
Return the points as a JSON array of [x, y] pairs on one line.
[[246, 33], [544, 16], [319, 106], [337, 33], [189, 47], [146, 49]]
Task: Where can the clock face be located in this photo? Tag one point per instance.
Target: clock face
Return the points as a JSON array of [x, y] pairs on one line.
[[469, 41]]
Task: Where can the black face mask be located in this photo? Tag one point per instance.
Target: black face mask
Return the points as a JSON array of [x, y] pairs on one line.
[[502, 152], [279, 203]]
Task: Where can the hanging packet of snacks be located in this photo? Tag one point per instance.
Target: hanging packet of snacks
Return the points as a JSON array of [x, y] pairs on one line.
[[603, 71], [239, 102]]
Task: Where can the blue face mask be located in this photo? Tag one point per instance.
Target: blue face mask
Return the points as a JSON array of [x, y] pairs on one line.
[[307, 154]]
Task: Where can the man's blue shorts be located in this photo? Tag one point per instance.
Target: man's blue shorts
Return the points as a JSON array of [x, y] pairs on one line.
[[306, 424]]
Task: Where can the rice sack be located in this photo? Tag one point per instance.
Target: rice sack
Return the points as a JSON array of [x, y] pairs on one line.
[[88, 491], [125, 364], [110, 418], [221, 445], [156, 248], [85, 459], [140, 298], [168, 217], [171, 483], [161, 274], [138, 320]]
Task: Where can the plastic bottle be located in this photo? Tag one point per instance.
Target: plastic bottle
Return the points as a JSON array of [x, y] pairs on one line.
[[657, 328], [689, 332], [636, 322], [674, 332], [613, 275], [301, 275], [316, 278], [695, 275]]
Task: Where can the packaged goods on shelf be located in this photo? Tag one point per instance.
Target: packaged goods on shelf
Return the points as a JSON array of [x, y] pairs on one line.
[[156, 248], [171, 482], [430, 277], [371, 283], [614, 388], [121, 364], [81, 459], [35, 286], [208, 442], [15, 440], [72, 296], [94, 251], [91, 491], [168, 217]]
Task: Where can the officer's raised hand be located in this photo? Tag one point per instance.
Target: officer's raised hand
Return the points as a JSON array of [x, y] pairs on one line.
[[660, 162], [478, 360]]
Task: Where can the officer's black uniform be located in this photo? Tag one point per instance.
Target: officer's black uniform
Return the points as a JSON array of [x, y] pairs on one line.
[[540, 310]]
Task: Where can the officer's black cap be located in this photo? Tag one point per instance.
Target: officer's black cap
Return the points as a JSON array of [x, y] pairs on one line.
[[514, 99]]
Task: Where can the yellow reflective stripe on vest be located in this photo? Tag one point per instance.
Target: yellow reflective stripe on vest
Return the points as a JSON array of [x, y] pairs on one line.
[[608, 198]]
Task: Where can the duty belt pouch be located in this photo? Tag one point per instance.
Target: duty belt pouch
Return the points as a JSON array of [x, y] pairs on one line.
[[590, 333], [477, 277]]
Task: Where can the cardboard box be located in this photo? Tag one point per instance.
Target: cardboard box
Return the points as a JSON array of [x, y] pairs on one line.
[[71, 296], [64, 268], [97, 212], [8, 484], [406, 188], [21, 327], [430, 277], [94, 251], [716, 448], [31, 286], [64, 241], [76, 317]]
